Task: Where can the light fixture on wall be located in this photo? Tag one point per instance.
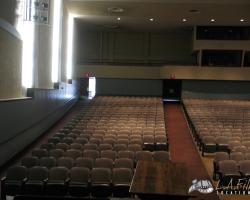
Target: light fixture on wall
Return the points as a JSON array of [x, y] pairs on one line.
[[56, 41], [70, 33]]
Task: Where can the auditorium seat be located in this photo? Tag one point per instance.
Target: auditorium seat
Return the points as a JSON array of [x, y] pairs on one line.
[[81, 140], [37, 178], [54, 140], [73, 153], [12, 184], [90, 146], [29, 161], [120, 147], [85, 162], [48, 162], [62, 146], [108, 154], [91, 154], [124, 163], [79, 182], [121, 178], [143, 155], [126, 154], [76, 146], [236, 156], [101, 183], [134, 147], [103, 163], [68, 140], [244, 168], [56, 153], [39, 153], [67, 162], [105, 146], [228, 169], [47, 146], [219, 156], [57, 181]]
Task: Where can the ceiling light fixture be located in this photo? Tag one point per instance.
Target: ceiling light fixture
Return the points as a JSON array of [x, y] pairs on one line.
[[194, 11], [115, 10], [184, 20], [118, 18], [242, 20], [212, 20], [151, 19]]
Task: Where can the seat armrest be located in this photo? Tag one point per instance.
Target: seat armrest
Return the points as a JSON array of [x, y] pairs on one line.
[[45, 180], [67, 181], [3, 179], [24, 180]]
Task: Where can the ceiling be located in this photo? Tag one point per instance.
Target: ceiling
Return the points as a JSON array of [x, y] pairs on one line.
[[166, 14]]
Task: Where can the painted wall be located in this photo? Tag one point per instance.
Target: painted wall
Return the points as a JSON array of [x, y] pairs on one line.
[[216, 89], [23, 121], [164, 72], [7, 10], [131, 87], [10, 62], [133, 47]]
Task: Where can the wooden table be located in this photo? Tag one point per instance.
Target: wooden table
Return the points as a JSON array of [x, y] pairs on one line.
[[160, 180]]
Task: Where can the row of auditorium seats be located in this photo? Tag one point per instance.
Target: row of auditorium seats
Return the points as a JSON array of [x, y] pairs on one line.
[[222, 127], [60, 181], [109, 133], [92, 157], [239, 161], [219, 125]]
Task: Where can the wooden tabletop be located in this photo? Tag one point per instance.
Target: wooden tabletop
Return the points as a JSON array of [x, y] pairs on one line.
[[160, 178]]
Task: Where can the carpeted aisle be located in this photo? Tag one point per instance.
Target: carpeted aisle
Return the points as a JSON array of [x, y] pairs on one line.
[[182, 148]]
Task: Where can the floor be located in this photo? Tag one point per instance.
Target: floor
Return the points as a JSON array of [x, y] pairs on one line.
[[207, 160]]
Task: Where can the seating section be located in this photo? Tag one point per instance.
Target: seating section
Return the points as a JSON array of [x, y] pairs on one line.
[[95, 154], [222, 127]]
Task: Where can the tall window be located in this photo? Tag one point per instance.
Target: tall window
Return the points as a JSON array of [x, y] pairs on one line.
[[28, 13], [56, 40], [26, 30]]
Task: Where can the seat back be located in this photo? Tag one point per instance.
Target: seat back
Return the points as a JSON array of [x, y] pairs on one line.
[[79, 174], [48, 162], [85, 162], [58, 174], [16, 173], [38, 173]]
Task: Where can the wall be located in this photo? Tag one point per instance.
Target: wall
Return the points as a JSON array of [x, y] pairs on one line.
[[215, 89], [133, 47], [164, 72], [7, 10], [131, 87], [10, 62], [23, 121]]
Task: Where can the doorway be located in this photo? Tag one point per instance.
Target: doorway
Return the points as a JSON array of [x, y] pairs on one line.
[[172, 90]]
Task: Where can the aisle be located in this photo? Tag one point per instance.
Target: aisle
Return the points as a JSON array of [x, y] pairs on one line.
[[182, 148]]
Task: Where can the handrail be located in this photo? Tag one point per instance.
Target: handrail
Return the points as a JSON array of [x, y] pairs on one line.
[[37, 122]]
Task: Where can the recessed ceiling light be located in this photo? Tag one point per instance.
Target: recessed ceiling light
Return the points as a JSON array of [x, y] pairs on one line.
[[118, 18], [212, 20], [184, 20], [194, 11], [151, 19], [242, 20], [115, 10]]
